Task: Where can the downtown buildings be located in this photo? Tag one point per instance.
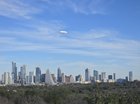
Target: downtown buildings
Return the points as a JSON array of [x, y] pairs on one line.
[[14, 72], [87, 75], [6, 78], [130, 76], [36, 77]]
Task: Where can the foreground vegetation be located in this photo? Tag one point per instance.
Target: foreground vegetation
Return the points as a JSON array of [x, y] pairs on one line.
[[103, 93]]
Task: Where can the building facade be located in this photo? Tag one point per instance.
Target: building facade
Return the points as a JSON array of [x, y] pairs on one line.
[[87, 74], [95, 75], [59, 75], [48, 78], [23, 74], [38, 75], [14, 73], [103, 76], [130, 76]]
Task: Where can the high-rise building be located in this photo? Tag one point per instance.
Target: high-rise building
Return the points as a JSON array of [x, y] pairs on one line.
[[43, 76], [126, 78], [87, 74], [130, 76], [23, 74], [2, 79], [69, 79], [59, 75], [7, 78], [53, 77], [14, 73], [27, 80], [95, 75], [100, 77], [103, 76], [79, 78], [31, 77], [49, 79], [110, 77], [114, 76], [19, 77], [63, 78], [38, 75]]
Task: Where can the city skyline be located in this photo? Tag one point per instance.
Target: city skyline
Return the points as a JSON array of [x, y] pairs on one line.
[[19, 75], [36, 77], [74, 35]]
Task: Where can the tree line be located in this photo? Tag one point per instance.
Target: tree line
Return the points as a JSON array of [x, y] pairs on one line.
[[97, 93]]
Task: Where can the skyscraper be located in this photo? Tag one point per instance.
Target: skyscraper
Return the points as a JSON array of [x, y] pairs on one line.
[[126, 78], [103, 76], [2, 79], [79, 78], [14, 73], [43, 76], [59, 75], [130, 76], [49, 79], [100, 77], [38, 75], [114, 76], [109, 77], [7, 78], [27, 80], [95, 75], [53, 77], [31, 77], [71, 79], [87, 75], [23, 74], [67, 79], [63, 78]]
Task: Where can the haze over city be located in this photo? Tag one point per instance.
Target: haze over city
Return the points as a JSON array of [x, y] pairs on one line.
[[101, 35]]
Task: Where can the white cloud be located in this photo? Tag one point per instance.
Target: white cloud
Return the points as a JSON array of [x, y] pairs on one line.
[[47, 37], [94, 34], [63, 32], [25, 9], [88, 7], [16, 8], [82, 6]]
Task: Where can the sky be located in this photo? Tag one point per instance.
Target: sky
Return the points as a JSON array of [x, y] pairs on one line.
[[101, 35]]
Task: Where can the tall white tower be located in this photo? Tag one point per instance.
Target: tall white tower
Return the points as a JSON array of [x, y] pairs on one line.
[[48, 78]]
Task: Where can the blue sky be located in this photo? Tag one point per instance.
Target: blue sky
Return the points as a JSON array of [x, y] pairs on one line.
[[71, 34]]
